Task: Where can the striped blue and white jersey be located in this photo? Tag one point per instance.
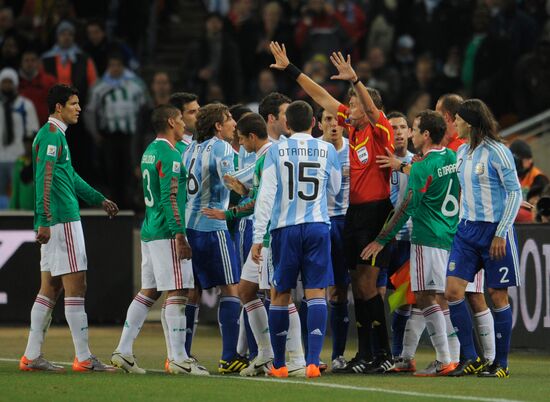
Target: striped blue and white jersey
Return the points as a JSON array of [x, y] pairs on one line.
[[297, 175], [338, 204], [398, 187], [489, 182], [245, 167], [206, 164]]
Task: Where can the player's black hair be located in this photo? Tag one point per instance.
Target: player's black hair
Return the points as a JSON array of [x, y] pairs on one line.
[[450, 104], [270, 104], [252, 123], [434, 123], [160, 116], [180, 99], [97, 22], [397, 115], [299, 116], [237, 111], [207, 118], [373, 93], [59, 93]]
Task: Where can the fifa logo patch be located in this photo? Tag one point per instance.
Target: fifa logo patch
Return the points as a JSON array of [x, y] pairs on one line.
[[51, 151], [452, 266], [479, 169], [176, 167]]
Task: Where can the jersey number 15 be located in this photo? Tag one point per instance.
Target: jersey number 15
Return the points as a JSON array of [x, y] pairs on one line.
[[303, 178]]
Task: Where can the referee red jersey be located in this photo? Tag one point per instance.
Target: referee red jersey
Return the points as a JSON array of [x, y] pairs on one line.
[[455, 142], [368, 182]]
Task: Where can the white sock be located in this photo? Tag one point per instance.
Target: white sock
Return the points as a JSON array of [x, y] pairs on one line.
[[78, 323], [135, 317], [41, 316], [242, 341], [294, 337], [413, 331], [486, 331], [435, 323], [165, 330], [176, 323], [257, 317], [452, 337]]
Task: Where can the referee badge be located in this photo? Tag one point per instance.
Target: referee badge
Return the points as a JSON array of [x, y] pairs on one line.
[[363, 154], [480, 168]]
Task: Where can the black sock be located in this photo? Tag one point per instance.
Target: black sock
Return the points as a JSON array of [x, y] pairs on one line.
[[377, 315], [363, 330]]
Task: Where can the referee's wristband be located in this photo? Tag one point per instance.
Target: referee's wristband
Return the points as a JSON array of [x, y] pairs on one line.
[[293, 71], [356, 81]]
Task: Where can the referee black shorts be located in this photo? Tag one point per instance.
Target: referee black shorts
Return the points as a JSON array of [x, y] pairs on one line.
[[363, 223]]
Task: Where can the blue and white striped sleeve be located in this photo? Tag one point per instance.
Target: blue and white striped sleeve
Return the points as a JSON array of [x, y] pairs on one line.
[[223, 156], [246, 175], [503, 161], [335, 171], [266, 197]]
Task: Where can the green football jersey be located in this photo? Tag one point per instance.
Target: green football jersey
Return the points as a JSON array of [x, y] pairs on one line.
[[431, 200], [56, 183], [163, 184], [181, 146], [246, 204]]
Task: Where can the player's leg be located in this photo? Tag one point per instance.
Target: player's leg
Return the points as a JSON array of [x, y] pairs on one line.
[[428, 266], [502, 274], [452, 338], [41, 316], [192, 315], [339, 323], [296, 358], [483, 318], [413, 331]]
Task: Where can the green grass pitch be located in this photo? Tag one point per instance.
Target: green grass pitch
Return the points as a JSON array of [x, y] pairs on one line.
[[529, 381]]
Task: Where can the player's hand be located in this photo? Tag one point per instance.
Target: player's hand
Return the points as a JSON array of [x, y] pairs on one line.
[[110, 207], [43, 234], [256, 252], [279, 52], [343, 65], [498, 248], [183, 249], [526, 205], [388, 161], [371, 250], [234, 184], [213, 213]]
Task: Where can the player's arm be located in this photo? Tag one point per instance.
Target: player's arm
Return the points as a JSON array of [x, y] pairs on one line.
[[264, 203], [223, 158], [48, 148], [503, 162], [390, 161], [335, 172], [317, 92], [91, 196]]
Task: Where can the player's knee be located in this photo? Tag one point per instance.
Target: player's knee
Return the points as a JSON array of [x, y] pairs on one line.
[[477, 302], [499, 297], [247, 293], [150, 293]]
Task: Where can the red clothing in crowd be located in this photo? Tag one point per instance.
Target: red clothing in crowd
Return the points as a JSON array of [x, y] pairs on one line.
[[36, 89]]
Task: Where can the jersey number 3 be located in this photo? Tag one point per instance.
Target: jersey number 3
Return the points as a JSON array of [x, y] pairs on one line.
[[148, 196], [302, 178]]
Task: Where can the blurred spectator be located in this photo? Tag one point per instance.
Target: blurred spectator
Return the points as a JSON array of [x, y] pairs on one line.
[[543, 208], [383, 77], [532, 81], [98, 46], [245, 31], [273, 28], [382, 25], [34, 83], [319, 31], [113, 116], [292, 11], [22, 184], [403, 58], [161, 88], [10, 52], [423, 82], [17, 120], [218, 6], [46, 15], [363, 71], [418, 102], [529, 175], [212, 65], [353, 21], [480, 27], [318, 70], [6, 23], [264, 86]]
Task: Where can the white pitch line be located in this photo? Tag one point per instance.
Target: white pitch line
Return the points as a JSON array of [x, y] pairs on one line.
[[334, 386]]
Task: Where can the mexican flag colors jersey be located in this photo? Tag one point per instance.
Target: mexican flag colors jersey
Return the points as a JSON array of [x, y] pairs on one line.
[[431, 200], [163, 188], [56, 183]]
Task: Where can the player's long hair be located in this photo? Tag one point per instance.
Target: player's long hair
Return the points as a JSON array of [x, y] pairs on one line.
[[207, 118], [487, 127]]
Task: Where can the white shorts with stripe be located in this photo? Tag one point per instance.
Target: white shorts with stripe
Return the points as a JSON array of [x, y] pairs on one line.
[[255, 273], [161, 269], [478, 284], [65, 252], [428, 268]]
